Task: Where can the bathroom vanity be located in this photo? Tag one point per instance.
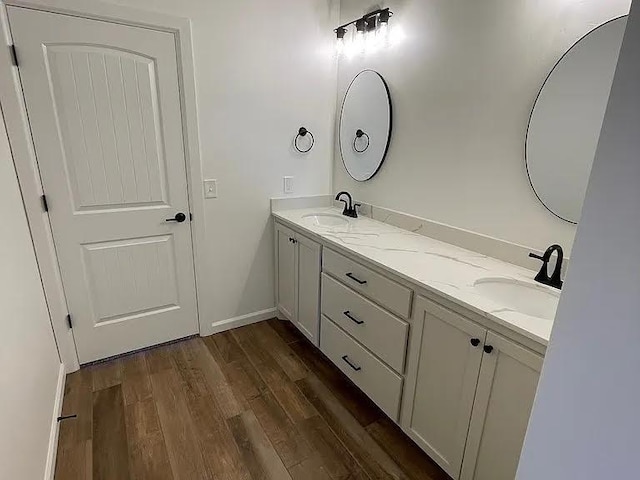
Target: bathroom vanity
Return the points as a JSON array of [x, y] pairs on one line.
[[423, 328]]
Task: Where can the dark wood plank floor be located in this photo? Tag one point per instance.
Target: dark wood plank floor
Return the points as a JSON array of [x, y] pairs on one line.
[[258, 402]]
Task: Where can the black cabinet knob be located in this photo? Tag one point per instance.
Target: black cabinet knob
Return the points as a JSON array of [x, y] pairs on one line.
[[475, 342], [488, 349]]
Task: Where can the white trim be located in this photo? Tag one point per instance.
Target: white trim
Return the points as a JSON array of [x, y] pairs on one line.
[[52, 453], [24, 159], [26, 164], [109, 12], [241, 321]]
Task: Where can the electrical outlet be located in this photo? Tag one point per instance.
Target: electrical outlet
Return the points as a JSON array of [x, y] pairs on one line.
[[288, 184], [210, 189]]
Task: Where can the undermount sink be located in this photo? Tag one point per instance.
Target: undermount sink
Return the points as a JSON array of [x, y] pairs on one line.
[[527, 298], [325, 219]]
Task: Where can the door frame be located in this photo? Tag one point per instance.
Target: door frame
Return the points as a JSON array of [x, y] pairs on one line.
[[24, 158]]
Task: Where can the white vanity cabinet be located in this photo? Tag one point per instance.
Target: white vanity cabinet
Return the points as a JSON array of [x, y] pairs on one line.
[[298, 262], [460, 385], [468, 395]]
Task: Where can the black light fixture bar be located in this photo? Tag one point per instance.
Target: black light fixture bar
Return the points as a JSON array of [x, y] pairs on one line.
[[365, 21]]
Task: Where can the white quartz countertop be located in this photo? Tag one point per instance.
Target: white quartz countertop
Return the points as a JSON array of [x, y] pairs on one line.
[[439, 267]]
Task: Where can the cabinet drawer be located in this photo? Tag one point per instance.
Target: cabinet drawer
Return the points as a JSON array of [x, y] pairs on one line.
[[387, 293], [373, 377], [378, 330]]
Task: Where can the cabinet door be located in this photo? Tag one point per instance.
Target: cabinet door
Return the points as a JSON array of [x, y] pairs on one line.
[[286, 272], [308, 313], [506, 390], [444, 361]]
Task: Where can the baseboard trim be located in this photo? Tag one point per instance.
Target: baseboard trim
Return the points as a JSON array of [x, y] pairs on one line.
[[50, 469], [241, 321]]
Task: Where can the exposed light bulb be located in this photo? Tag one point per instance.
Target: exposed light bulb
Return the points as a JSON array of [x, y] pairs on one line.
[[383, 34], [340, 33], [359, 42], [370, 35], [359, 38], [340, 47]]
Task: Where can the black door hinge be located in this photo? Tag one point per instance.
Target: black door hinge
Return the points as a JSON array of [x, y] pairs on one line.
[[45, 204], [69, 322], [14, 55], [190, 216]]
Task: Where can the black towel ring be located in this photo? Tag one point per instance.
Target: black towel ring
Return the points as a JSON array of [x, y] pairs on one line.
[[360, 134], [302, 132]]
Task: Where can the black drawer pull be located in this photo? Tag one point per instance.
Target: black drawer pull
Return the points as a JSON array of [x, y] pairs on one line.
[[355, 279], [352, 318], [346, 359]]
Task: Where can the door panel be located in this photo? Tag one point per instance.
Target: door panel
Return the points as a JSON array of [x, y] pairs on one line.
[[506, 390], [107, 108], [147, 271], [308, 316], [104, 108], [286, 255], [444, 366]]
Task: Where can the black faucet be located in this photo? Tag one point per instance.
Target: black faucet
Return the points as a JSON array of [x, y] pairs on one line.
[[543, 275], [349, 206]]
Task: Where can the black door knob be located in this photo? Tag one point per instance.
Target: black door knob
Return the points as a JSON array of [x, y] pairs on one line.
[[475, 342], [180, 217], [488, 349]]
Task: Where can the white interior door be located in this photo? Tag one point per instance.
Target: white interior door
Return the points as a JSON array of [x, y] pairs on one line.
[[104, 108]]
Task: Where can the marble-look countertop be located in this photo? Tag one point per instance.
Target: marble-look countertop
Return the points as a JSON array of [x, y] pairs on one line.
[[439, 267]]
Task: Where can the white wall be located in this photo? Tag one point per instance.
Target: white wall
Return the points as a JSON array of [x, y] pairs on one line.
[[29, 362], [263, 69], [586, 417], [463, 83]]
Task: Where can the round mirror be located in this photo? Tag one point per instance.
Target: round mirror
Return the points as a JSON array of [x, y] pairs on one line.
[[567, 117], [365, 125]]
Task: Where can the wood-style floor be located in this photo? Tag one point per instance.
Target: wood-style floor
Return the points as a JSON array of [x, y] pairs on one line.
[[258, 402]]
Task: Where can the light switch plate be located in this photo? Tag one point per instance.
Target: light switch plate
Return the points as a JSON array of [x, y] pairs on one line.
[[288, 184], [210, 189]]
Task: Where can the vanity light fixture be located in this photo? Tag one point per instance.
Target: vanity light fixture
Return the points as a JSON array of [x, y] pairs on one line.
[[371, 32]]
